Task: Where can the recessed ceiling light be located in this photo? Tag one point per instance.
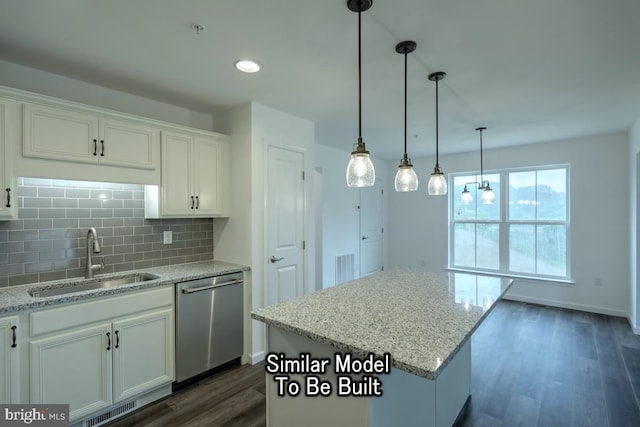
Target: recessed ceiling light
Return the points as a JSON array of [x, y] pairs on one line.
[[247, 66]]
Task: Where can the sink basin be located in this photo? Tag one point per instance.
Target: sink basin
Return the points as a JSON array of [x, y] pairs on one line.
[[89, 284]]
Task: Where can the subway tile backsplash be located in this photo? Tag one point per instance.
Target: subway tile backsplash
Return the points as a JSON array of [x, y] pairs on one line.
[[48, 241]]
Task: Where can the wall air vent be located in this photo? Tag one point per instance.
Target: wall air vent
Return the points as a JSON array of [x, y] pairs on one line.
[[344, 268]]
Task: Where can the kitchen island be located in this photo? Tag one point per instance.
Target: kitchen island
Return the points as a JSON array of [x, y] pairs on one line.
[[388, 349]]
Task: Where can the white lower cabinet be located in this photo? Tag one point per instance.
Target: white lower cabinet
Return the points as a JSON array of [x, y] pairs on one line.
[[95, 366], [9, 360], [143, 354], [73, 368]]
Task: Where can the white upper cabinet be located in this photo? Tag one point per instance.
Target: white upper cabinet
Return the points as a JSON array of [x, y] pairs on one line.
[[8, 124], [70, 135], [194, 177]]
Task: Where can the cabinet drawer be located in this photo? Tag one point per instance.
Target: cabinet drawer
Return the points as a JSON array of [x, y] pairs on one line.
[[78, 314]]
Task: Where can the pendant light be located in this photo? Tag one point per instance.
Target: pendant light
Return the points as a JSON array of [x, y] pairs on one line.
[[360, 170], [406, 178], [488, 196], [437, 182]]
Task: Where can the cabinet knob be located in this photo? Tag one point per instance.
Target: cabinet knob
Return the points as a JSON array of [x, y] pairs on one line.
[[102, 147], [95, 147], [108, 341], [117, 339], [197, 202], [8, 190], [192, 202]]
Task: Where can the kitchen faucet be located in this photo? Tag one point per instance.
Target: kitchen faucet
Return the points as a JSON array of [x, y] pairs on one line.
[[93, 246]]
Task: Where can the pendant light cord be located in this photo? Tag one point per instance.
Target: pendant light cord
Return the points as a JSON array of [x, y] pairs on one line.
[[359, 75], [481, 174], [437, 130], [405, 103]]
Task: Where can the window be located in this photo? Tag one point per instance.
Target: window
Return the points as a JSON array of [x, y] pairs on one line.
[[524, 233]]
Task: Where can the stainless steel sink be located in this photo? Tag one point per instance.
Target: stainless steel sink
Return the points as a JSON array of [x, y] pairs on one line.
[[89, 284]]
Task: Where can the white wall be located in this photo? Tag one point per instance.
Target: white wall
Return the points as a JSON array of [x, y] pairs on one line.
[[599, 204], [42, 82], [241, 238], [634, 229], [340, 216]]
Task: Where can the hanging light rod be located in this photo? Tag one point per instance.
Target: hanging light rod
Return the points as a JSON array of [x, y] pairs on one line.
[[488, 196], [406, 178], [437, 183], [360, 170]]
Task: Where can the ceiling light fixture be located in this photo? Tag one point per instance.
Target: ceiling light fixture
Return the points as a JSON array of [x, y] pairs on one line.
[[437, 182], [406, 178], [360, 170], [247, 66], [488, 196]]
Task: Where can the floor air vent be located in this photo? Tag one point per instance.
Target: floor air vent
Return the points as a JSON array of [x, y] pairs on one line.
[[115, 412], [344, 268]]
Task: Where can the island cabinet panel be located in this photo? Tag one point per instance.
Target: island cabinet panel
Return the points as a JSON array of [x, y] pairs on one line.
[[71, 135], [10, 346], [407, 399]]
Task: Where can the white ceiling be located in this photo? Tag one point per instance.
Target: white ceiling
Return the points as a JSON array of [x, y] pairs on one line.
[[530, 71]]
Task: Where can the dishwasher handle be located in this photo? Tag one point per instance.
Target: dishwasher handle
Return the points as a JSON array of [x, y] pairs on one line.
[[211, 286]]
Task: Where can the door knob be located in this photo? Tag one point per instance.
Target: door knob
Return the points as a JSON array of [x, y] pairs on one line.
[[274, 259], [365, 237]]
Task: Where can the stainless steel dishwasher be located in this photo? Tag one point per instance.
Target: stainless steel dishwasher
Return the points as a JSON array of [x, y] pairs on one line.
[[208, 323]]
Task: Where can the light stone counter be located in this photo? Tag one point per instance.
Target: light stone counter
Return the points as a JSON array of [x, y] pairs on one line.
[[422, 318], [17, 298]]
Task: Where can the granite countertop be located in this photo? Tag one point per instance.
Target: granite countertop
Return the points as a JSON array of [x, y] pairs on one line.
[[17, 298], [422, 318]]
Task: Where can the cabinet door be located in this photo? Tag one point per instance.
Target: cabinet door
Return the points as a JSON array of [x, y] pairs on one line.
[[8, 123], [177, 189], [128, 144], [9, 361], [143, 353], [56, 133], [207, 176], [73, 368]]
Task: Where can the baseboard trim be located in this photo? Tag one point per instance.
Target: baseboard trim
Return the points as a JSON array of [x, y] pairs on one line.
[[569, 305], [257, 357], [635, 329]]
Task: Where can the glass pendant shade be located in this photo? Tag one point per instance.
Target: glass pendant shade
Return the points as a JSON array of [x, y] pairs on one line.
[[360, 170], [437, 183], [406, 178], [488, 196], [466, 197]]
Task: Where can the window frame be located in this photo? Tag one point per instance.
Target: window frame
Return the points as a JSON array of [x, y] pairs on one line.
[[504, 224]]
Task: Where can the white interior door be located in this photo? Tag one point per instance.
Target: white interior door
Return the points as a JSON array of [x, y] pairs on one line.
[[285, 224], [371, 229]]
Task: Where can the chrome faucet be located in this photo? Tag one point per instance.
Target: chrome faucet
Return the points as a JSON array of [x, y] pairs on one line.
[[93, 246]]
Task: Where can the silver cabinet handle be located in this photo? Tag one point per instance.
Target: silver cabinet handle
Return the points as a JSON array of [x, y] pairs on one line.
[[365, 237], [274, 259], [211, 286]]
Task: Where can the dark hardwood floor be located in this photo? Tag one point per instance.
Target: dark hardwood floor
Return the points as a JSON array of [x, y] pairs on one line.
[[532, 366]]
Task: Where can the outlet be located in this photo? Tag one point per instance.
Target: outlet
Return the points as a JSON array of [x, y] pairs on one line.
[[167, 237], [597, 282]]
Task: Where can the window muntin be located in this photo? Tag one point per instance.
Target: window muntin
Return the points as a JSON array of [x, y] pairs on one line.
[[523, 233]]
